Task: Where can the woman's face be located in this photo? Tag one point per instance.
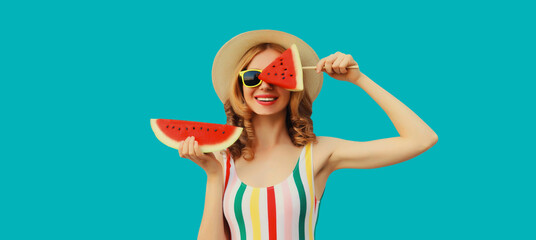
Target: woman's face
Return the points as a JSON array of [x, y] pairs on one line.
[[252, 95]]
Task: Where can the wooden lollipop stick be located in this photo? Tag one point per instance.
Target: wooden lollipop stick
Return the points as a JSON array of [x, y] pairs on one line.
[[314, 67]]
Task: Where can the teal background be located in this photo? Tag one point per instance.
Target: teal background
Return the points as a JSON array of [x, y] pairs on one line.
[[81, 79]]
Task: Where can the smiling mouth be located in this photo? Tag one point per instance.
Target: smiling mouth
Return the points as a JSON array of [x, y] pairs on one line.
[[266, 99]]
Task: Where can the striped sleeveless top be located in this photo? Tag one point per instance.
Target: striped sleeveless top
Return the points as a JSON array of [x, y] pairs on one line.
[[286, 211]]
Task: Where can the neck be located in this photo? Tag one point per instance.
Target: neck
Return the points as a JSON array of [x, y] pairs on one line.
[[270, 131]]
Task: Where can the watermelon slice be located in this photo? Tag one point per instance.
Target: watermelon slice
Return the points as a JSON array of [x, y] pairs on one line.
[[211, 137], [285, 71]]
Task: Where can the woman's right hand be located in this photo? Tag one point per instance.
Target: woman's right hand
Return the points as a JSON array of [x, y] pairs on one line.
[[189, 148]]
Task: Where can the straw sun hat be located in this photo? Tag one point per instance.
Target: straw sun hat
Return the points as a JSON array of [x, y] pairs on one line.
[[230, 53]]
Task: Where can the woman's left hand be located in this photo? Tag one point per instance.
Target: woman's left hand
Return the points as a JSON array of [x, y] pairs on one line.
[[335, 65]]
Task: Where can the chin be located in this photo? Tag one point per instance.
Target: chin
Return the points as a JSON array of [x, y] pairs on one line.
[[266, 112], [261, 110]]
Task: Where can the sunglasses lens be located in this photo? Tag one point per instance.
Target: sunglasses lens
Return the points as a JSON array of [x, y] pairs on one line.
[[251, 78]]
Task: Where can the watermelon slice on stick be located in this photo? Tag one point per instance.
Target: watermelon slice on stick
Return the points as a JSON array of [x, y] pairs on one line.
[[286, 71], [211, 137]]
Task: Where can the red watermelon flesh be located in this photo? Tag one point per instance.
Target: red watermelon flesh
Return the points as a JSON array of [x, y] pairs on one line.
[[285, 71], [210, 137]]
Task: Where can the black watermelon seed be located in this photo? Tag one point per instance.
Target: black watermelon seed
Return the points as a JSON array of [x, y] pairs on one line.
[[179, 129], [273, 66], [167, 126], [223, 132], [201, 128], [172, 127], [193, 128], [291, 75], [275, 74], [207, 129], [281, 64], [281, 59], [268, 74], [285, 69], [215, 130], [282, 73], [186, 129], [283, 77]]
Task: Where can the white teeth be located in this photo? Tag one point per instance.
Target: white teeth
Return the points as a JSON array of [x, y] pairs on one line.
[[266, 99]]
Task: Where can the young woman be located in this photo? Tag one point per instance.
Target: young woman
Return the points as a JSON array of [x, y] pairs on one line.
[[268, 184]]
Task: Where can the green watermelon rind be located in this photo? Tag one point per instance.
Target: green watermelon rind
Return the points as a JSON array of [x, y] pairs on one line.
[[297, 68], [162, 137]]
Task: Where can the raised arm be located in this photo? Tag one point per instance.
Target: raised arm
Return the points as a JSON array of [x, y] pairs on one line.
[[415, 135]]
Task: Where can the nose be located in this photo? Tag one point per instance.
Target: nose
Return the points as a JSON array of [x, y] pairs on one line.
[[264, 85]]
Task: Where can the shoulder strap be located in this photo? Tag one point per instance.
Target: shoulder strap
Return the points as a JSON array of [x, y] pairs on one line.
[[311, 155]]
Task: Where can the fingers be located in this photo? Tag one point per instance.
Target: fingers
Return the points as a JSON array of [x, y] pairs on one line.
[[334, 63], [344, 63], [197, 152], [329, 63], [320, 65], [337, 64], [189, 148], [181, 148]]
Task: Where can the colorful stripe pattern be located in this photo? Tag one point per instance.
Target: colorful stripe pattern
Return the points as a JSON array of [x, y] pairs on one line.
[[288, 210]]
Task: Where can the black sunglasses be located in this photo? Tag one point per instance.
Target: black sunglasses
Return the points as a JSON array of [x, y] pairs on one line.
[[250, 77]]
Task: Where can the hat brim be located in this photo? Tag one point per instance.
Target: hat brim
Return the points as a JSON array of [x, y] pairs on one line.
[[230, 53]]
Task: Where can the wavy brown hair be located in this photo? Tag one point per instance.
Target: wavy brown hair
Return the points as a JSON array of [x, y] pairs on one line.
[[299, 110]]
